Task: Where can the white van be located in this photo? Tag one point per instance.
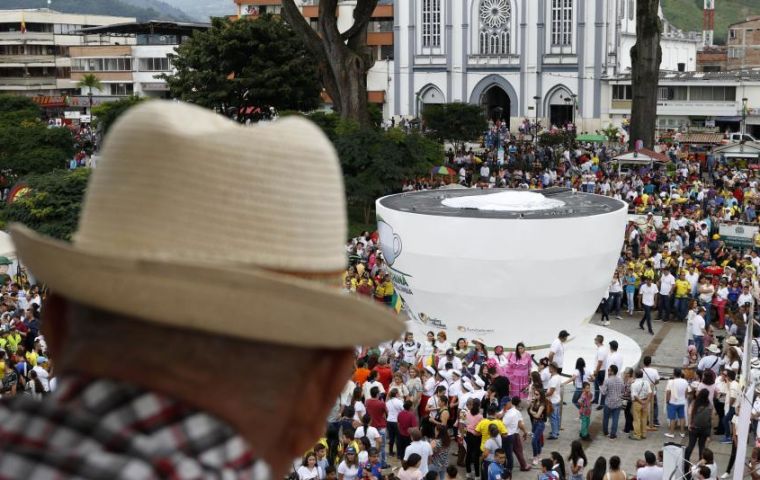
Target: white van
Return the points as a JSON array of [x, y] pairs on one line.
[[738, 137]]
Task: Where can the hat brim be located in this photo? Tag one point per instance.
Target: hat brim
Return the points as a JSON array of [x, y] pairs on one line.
[[232, 300]]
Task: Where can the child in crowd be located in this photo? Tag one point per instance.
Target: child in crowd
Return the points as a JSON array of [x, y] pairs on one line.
[[584, 408]]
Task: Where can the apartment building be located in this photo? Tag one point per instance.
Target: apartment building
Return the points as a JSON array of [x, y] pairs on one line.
[[134, 66], [35, 48], [744, 44]]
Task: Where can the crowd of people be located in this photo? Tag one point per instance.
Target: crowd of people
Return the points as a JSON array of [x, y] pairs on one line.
[[458, 396]]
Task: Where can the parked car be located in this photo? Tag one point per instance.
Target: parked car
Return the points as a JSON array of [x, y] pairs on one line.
[[736, 137]]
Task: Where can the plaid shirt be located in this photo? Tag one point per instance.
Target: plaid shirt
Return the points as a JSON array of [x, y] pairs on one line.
[[613, 388], [106, 429]]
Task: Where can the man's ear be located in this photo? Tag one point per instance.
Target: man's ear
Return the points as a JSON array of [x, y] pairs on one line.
[[55, 325]]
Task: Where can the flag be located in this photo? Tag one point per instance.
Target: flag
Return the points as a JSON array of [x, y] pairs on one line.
[[23, 24], [396, 302]]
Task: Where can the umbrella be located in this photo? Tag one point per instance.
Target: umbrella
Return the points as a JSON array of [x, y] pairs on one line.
[[443, 171], [477, 160]]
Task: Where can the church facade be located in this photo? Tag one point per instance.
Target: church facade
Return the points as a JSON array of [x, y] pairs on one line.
[[555, 60]]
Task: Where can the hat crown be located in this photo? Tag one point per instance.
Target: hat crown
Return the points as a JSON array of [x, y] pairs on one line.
[[181, 183]]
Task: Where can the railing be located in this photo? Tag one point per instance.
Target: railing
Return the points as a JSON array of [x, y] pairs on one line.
[[26, 37], [26, 59], [28, 82]]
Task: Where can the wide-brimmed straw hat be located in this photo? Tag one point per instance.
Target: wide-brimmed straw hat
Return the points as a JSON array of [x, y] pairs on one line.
[[196, 222]]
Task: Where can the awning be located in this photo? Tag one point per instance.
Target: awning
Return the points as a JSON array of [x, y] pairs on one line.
[[728, 119], [591, 137], [713, 138]]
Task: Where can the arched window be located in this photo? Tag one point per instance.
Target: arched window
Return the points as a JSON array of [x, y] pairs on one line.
[[562, 22], [495, 16], [431, 23]]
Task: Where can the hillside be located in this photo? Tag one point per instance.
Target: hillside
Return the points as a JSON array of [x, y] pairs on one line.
[[687, 14], [163, 8], [119, 8], [202, 10]]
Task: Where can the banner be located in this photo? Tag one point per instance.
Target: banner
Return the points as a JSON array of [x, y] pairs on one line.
[[737, 235]]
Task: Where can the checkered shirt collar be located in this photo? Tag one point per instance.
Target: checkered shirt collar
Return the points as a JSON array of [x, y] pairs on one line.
[[108, 429]]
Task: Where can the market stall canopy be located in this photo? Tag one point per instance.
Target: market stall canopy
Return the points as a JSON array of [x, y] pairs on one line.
[[641, 157], [591, 137], [701, 138], [749, 150]]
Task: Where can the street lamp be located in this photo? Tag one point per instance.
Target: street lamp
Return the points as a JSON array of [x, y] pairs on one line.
[[535, 136], [744, 117], [575, 106]]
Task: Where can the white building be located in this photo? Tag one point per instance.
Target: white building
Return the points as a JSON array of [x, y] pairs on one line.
[[35, 49], [520, 58]]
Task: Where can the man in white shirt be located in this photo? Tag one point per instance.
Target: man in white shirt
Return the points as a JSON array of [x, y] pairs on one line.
[[732, 401], [614, 357], [745, 297], [420, 447], [667, 281], [640, 392], [647, 295], [710, 361], [675, 395], [651, 471], [600, 366], [42, 373], [456, 362], [693, 278], [653, 377], [394, 405], [698, 330], [513, 421], [553, 394], [557, 350]]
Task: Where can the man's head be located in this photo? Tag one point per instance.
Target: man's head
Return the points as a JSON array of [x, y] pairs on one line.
[[650, 458], [563, 335], [500, 456], [612, 370], [647, 360], [599, 340], [614, 345]]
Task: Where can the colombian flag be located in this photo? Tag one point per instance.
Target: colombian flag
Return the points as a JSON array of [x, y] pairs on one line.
[[396, 302]]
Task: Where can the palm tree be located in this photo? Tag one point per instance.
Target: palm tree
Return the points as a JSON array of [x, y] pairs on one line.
[[90, 81]]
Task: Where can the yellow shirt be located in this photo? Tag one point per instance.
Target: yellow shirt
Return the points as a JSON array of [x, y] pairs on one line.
[[482, 429], [682, 288], [31, 357]]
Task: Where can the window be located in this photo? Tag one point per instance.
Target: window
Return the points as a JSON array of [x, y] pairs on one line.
[[562, 22], [713, 94], [101, 64], [631, 9], [431, 23], [495, 16], [121, 88], [681, 67], [671, 93], [732, 34], [622, 92], [735, 52], [160, 64]]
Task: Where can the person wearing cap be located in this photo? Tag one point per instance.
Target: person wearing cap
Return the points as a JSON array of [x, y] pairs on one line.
[[711, 360], [134, 323], [557, 350], [449, 357], [348, 469]]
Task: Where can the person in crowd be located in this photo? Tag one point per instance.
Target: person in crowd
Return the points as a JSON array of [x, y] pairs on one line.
[[411, 468], [700, 423], [580, 376], [613, 391], [706, 461], [675, 397], [554, 395], [469, 418], [539, 410], [650, 471], [599, 471], [407, 420], [519, 363], [577, 461], [584, 410], [420, 446], [640, 395]]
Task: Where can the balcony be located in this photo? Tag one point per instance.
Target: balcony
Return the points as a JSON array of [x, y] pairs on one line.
[[27, 60], [37, 38], [105, 76], [26, 83]]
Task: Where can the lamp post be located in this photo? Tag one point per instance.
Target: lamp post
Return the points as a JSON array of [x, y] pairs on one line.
[[575, 107], [744, 117], [535, 136]]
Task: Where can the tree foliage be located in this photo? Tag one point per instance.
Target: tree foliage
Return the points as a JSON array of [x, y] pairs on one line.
[[53, 204], [27, 145], [454, 122], [240, 63], [107, 113], [375, 162]]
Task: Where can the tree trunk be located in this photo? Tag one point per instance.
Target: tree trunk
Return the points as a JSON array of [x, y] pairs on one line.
[[343, 58], [646, 56]]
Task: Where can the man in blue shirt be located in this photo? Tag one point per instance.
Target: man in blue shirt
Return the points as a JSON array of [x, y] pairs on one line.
[[497, 470]]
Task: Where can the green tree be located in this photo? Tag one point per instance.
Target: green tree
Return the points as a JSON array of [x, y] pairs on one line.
[[257, 62], [53, 204], [90, 81], [376, 162], [27, 145], [454, 122], [107, 113], [343, 58]]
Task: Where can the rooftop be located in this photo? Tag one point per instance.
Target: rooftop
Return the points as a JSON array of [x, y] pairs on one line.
[[152, 27], [752, 74]]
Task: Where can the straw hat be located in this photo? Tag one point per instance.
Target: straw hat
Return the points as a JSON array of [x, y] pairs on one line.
[[189, 222]]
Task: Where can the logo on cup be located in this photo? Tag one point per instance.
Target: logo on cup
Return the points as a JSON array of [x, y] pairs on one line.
[[390, 243]]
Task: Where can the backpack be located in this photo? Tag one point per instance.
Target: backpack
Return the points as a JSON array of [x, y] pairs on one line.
[[703, 418]]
